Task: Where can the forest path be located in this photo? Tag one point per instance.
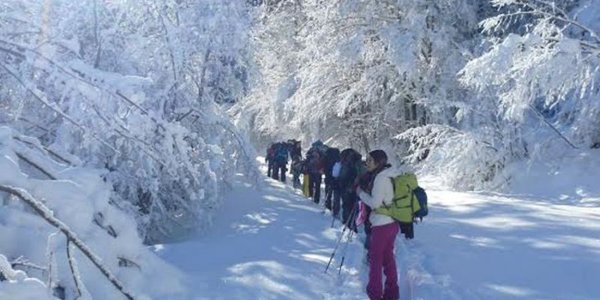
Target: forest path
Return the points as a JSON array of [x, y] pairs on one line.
[[268, 243], [273, 243]]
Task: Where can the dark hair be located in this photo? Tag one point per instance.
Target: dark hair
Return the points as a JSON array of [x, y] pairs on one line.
[[349, 155], [380, 158]]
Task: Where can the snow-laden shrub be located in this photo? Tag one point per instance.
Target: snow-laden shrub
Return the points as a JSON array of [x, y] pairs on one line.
[[15, 284], [548, 74], [132, 88], [460, 159], [61, 233], [534, 87]]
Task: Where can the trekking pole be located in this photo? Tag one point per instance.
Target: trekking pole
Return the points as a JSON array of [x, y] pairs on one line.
[[334, 201], [340, 238], [349, 238], [334, 249], [323, 192], [332, 220]]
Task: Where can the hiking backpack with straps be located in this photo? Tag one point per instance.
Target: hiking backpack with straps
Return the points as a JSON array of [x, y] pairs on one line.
[[315, 160], [421, 196], [409, 200], [281, 153]]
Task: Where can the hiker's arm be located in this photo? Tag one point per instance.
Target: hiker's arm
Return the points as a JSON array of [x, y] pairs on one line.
[[377, 194]]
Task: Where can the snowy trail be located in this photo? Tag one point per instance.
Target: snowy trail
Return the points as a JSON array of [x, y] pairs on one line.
[[268, 244], [489, 246], [274, 244]]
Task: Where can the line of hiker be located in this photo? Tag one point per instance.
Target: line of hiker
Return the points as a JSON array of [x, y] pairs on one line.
[[368, 193], [277, 158], [339, 169]]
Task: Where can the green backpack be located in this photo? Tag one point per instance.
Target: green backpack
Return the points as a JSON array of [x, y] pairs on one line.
[[404, 204]]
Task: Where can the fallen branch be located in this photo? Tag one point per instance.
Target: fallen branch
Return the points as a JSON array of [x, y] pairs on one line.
[[74, 270], [47, 215], [552, 126], [36, 166], [20, 261], [43, 149]]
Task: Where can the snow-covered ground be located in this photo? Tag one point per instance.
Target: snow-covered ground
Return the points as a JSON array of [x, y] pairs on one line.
[[267, 244], [272, 243]]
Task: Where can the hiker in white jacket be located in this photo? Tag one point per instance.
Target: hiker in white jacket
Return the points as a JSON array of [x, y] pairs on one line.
[[383, 230]]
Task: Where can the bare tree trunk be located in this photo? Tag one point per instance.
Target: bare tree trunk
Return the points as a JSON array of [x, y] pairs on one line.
[[96, 36]]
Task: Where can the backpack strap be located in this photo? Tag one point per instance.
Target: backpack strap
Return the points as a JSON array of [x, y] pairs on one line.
[[412, 201], [394, 193]]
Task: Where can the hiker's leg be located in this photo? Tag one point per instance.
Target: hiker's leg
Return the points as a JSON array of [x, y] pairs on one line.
[[336, 201], [276, 167], [376, 252], [347, 206], [328, 192], [391, 290], [410, 233], [283, 170], [316, 178]]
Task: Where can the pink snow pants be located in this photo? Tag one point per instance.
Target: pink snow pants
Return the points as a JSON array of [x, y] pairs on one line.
[[381, 257]]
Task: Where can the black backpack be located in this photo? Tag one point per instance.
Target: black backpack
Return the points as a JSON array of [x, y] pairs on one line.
[[421, 196], [332, 156], [281, 153]]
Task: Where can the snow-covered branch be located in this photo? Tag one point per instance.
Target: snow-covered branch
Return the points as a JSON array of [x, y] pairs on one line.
[[105, 99], [48, 216]]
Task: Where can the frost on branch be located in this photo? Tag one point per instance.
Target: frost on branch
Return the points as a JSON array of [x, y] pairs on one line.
[[62, 215], [147, 110]]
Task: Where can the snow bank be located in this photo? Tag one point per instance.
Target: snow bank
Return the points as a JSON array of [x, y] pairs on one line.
[[80, 199]]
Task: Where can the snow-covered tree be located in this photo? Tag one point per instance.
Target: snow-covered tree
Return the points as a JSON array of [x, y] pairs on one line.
[[520, 70], [61, 237], [363, 71], [535, 81], [276, 47], [133, 88], [384, 74]]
